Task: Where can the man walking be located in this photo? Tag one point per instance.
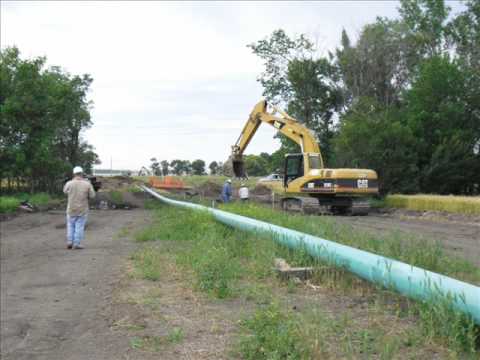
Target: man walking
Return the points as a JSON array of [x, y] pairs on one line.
[[227, 191], [79, 190]]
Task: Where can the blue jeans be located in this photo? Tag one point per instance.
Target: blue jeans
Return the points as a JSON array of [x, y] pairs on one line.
[[76, 228], [225, 198]]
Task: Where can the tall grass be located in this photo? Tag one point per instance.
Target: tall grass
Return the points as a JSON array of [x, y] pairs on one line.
[[449, 203]]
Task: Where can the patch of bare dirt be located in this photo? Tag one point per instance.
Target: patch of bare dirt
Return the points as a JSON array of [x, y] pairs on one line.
[[439, 216], [459, 237], [117, 182], [260, 189], [154, 310]]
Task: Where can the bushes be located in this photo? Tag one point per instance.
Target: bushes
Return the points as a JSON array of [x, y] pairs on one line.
[[8, 204]]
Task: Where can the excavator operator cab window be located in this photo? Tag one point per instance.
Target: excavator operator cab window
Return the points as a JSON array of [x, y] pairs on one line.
[[315, 161], [293, 168]]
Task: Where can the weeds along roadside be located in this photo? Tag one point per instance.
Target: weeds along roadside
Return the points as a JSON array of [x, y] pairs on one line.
[[9, 204], [227, 263], [414, 250]]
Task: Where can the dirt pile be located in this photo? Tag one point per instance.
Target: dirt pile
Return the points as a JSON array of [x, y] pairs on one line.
[[260, 189], [119, 192], [209, 188], [117, 182]]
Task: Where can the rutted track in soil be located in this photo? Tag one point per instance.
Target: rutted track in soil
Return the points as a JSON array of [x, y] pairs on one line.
[[461, 239]]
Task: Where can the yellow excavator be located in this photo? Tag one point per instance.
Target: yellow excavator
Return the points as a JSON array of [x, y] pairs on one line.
[[307, 185]]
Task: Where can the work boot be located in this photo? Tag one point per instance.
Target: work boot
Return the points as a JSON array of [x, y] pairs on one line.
[[78, 247], [69, 245]]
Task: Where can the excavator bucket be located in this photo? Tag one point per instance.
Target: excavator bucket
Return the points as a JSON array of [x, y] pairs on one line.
[[235, 167]]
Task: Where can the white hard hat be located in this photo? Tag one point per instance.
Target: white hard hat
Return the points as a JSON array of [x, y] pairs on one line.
[[229, 180], [77, 170]]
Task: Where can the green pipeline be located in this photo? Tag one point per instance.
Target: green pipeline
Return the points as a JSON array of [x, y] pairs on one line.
[[411, 281]]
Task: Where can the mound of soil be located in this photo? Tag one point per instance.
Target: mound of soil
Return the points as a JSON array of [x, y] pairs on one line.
[[117, 182], [119, 200], [209, 188], [260, 189]]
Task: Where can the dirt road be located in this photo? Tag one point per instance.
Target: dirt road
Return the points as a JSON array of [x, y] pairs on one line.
[[53, 300], [461, 238]]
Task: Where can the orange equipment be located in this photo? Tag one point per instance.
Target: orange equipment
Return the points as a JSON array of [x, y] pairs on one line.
[[167, 182]]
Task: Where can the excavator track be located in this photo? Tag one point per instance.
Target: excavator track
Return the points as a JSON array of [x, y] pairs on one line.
[[311, 205], [360, 207]]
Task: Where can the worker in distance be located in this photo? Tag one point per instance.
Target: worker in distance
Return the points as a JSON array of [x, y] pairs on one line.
[[79, 190]]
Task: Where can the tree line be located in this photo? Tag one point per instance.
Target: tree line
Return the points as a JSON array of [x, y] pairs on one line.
[[43, 112], [184, 167], [255, 165], [403, 99]]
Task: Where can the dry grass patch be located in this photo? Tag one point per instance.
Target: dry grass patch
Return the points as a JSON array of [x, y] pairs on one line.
[[455, 204]]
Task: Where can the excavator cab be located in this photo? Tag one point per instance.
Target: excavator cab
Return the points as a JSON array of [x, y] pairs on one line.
[[293, 168]]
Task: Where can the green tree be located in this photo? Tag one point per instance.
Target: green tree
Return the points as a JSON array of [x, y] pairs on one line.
[[426, 24], [187, 167], [277, 51], [177, 167], [315, 98], [378, 139], [155, 167], [198, 167], [164, 165], [303, 82], [256, 165], [445, 119], [43, 113], [213, 168], [463, 33], [379, 65]]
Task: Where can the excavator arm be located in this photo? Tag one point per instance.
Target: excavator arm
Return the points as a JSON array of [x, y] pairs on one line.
[[285, 124]]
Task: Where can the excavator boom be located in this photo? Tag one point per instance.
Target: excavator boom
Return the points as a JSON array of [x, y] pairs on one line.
[[285, 124]]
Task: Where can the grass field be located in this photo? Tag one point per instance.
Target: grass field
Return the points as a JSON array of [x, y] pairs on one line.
[[452, 204], [230, 264]]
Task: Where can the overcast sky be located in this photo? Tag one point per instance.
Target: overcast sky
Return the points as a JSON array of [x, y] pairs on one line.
[[172, 80]]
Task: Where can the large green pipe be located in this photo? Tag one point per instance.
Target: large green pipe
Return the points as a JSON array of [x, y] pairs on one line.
[[411, 281]]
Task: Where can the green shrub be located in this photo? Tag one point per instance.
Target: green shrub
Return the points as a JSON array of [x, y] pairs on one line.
[[116, 197], [8, 204]]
